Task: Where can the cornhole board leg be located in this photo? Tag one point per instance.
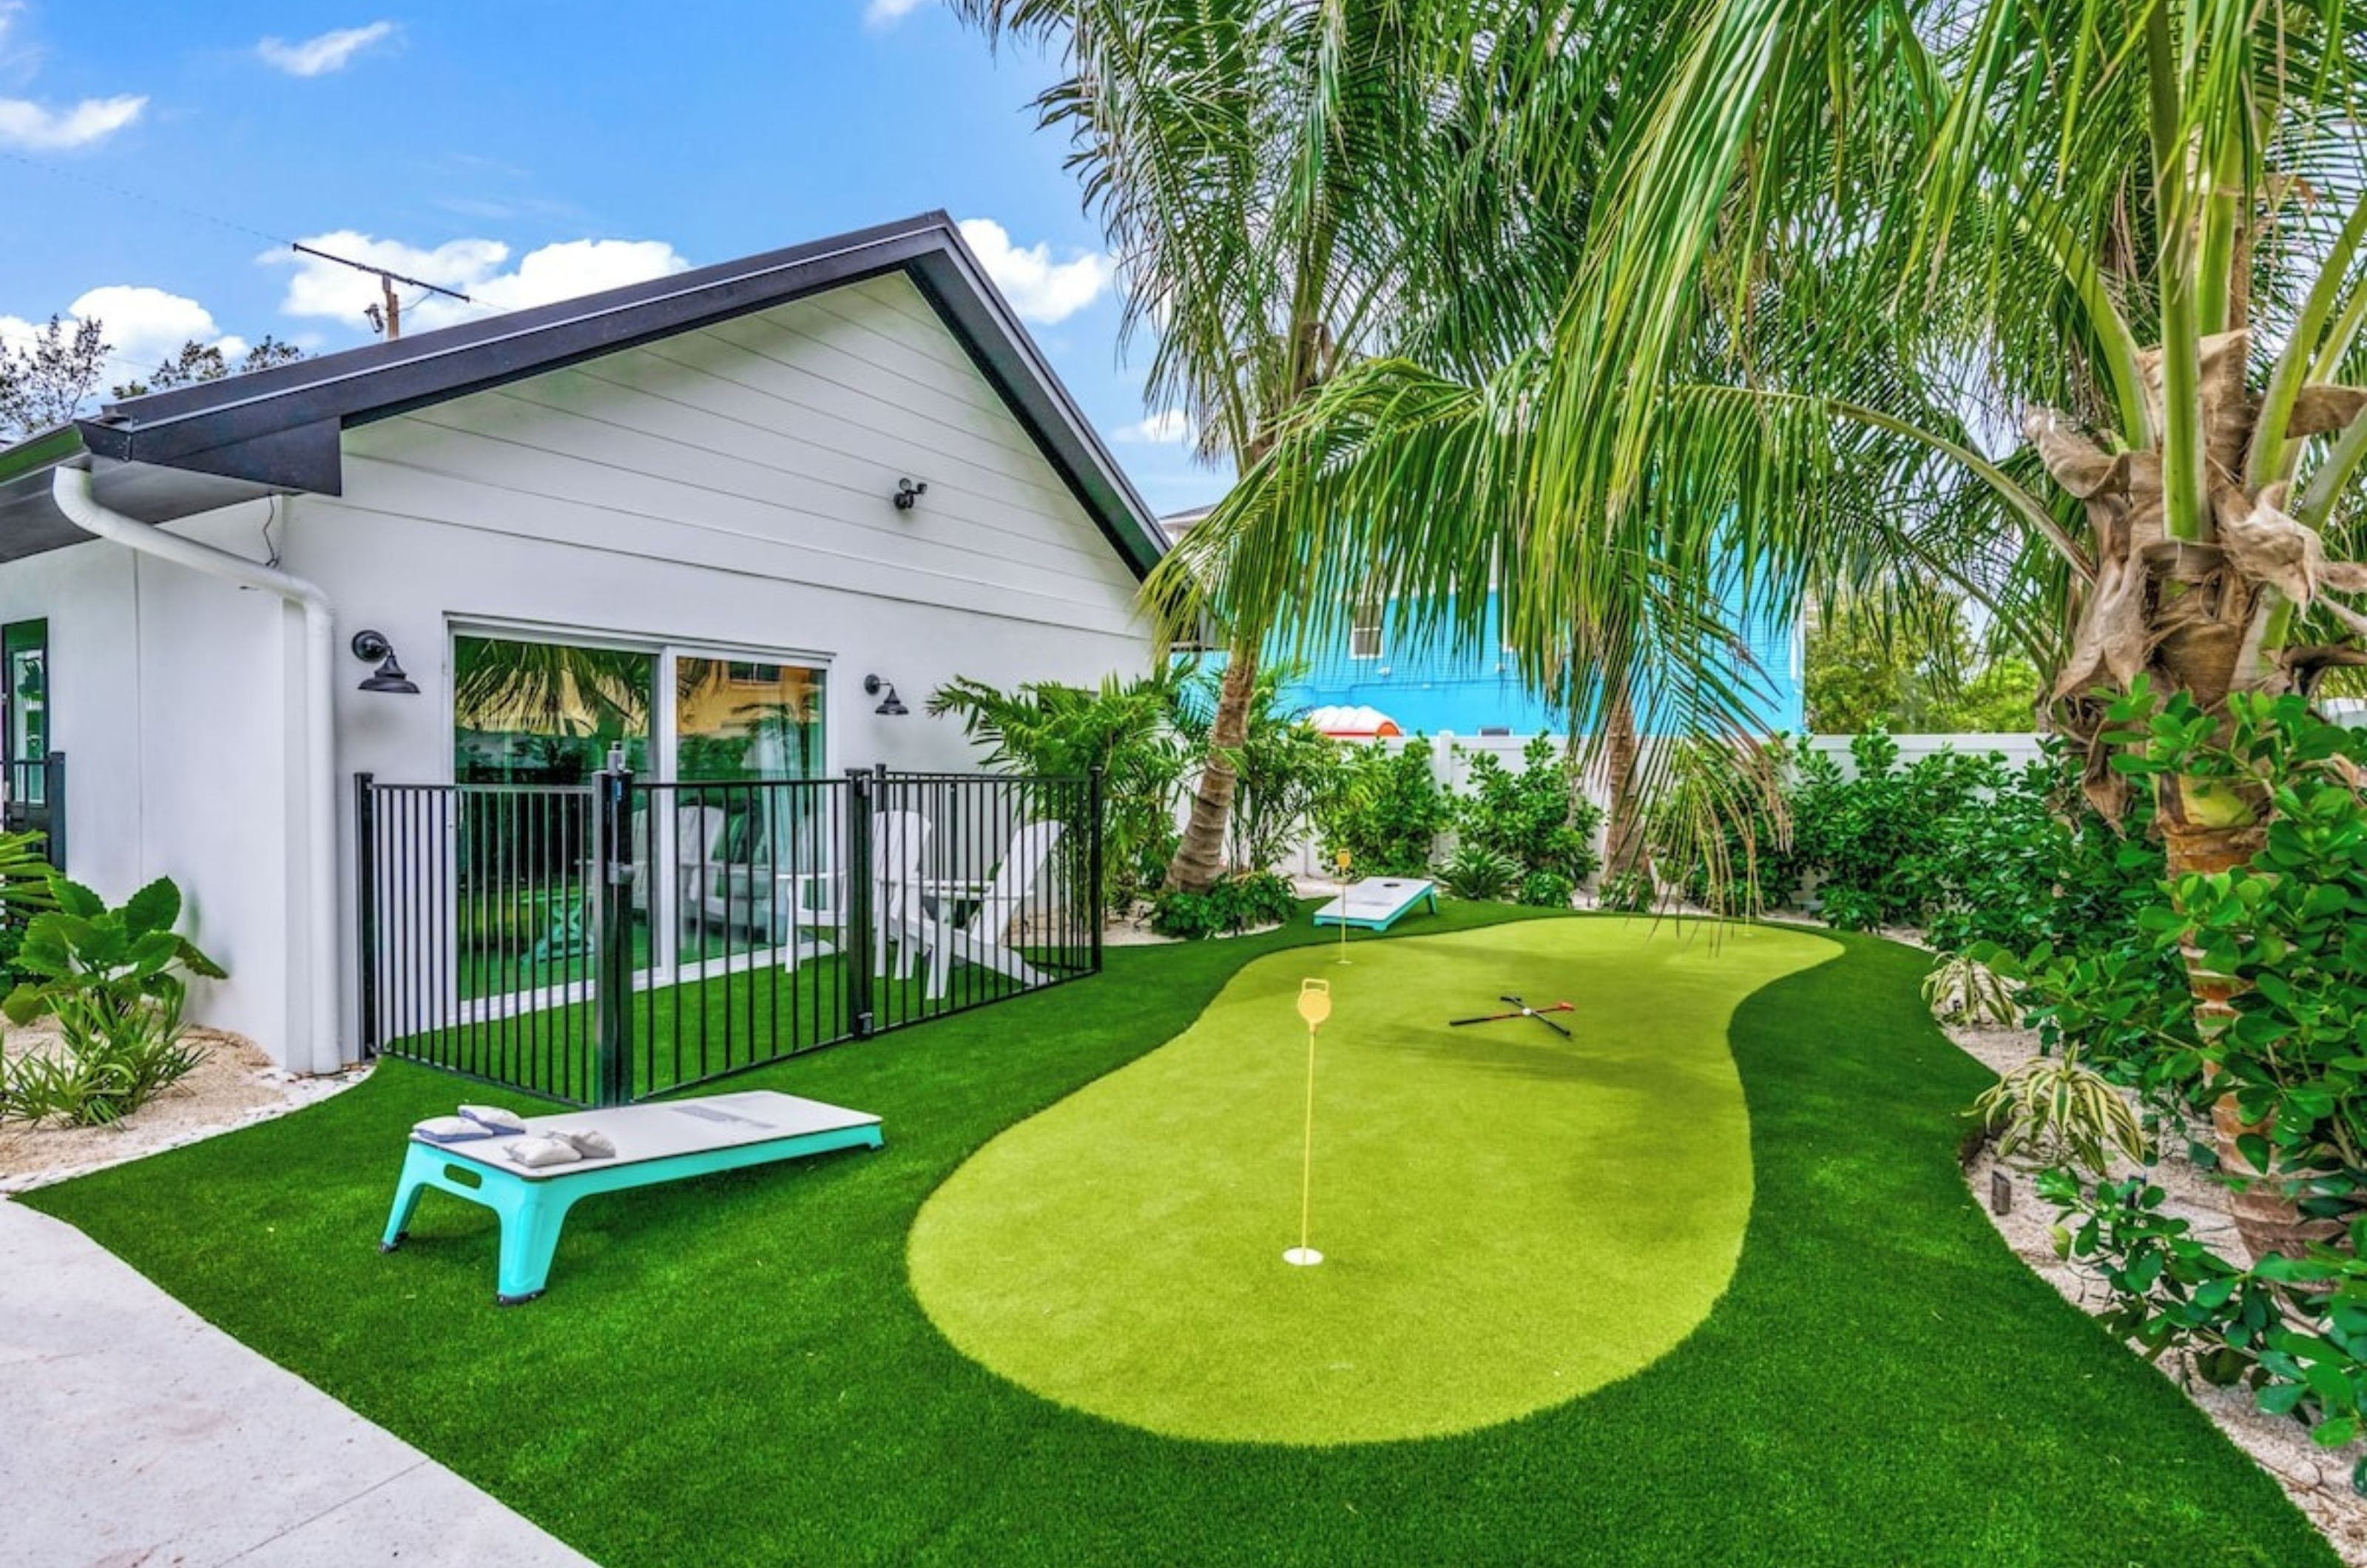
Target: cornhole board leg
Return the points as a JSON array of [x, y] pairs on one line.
[[533, 1210]]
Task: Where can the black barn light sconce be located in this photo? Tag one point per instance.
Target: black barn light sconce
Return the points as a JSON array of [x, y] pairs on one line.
[[909, 494], [371, 648], [890, 705]]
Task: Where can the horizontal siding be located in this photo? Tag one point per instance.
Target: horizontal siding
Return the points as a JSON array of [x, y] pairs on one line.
[[769, 446]]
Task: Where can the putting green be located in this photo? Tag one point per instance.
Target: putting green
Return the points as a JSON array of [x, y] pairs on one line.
[[1507, 1219]]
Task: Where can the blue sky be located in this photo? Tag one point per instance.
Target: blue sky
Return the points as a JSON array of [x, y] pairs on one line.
[[522, 150]]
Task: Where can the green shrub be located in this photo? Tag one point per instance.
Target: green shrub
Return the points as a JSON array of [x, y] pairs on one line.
[[114, 980], [2283, 930], [1539, 816], [1235, 903], [1387, 812], [1472, 872], [1878, 842], [1545, 890]]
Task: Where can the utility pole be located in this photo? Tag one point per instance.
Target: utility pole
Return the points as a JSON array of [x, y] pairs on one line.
[[387, 319]]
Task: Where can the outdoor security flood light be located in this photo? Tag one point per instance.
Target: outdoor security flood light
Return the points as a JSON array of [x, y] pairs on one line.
[[890, 705], [908, 493], [373, 647]]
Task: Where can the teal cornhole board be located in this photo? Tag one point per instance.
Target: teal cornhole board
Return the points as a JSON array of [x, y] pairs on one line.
[[666, 1142], [1377, 903]]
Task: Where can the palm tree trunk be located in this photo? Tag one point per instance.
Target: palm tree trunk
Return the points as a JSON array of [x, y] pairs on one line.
[[1625, 847], [1200, 856]]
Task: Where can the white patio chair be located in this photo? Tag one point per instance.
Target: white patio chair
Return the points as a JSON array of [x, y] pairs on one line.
[[815, 903], [982, 937], [700, 879]]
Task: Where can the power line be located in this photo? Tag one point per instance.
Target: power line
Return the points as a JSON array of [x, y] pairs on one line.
[[386, 317], [159, 202]]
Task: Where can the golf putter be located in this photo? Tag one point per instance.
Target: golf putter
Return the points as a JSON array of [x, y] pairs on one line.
[[1520, 1009]]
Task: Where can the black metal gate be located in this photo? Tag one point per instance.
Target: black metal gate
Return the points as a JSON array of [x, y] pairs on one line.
[[603, 942]]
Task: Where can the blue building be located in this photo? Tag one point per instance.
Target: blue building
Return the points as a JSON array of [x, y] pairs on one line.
[[1476, 690]]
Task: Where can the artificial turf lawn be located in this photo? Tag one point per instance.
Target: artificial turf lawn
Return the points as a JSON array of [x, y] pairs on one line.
[[1509, 1219], [735, 1371]]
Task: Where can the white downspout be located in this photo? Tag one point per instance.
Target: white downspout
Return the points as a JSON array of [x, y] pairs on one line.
[[318, 1051]]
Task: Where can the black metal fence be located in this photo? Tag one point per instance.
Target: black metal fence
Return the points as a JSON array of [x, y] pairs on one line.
[[607, 941], [33, 800]]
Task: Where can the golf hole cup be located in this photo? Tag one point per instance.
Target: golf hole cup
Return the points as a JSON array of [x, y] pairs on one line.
[[1315, 1007]]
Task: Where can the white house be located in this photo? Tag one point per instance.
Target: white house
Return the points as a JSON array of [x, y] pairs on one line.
[[786, 476]]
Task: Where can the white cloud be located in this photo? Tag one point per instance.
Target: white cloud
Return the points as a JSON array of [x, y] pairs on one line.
[[24, 123], [880, 13], [142, 326], [145, 325], [319, 56], [1170, 427], [1042, 290], [473, 267]]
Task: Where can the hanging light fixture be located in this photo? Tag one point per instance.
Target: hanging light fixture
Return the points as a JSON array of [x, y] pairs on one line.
[[890, 705], [373, 648]]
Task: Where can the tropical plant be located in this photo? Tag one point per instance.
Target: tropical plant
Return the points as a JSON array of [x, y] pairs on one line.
[[2051, 1109], [1878, 837], [1285, 769], [1124, 728], [1474, 871], [1268, 172], [1962, 990], [114, 980], [1840, 243]]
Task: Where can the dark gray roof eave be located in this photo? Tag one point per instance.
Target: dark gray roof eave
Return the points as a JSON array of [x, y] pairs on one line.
[[279, 429]]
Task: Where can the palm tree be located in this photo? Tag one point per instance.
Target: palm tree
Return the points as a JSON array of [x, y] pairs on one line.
[[1865, 276], [1268, 172]]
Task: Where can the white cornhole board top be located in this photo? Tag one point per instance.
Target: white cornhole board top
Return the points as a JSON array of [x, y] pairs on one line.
[[669, 1128], [1375, 902]]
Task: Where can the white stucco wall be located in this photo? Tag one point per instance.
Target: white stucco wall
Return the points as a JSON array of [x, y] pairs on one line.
[[165, 695], [727, 490]]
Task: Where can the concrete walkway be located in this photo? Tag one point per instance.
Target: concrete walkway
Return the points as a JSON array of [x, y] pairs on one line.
[[134, 1435]]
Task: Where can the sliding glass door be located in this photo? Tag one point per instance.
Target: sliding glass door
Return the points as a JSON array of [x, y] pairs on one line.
[[715, 863], [745, 854]]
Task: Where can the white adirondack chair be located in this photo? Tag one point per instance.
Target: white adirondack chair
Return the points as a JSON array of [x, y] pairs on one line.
[[982, 937], [814, 905]]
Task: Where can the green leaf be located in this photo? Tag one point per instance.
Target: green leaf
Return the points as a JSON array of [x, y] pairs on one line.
[[76, 899], [154, 909]]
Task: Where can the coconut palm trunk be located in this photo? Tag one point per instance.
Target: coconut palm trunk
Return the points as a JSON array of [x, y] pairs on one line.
[[1626, 851], [1259, 169], [1200, 856]]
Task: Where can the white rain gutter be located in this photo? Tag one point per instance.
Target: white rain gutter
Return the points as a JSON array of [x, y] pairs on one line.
[[318, 1050]]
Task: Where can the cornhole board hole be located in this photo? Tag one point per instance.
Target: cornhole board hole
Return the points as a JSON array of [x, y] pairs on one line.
[[654, 1144], [1377, 903]]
